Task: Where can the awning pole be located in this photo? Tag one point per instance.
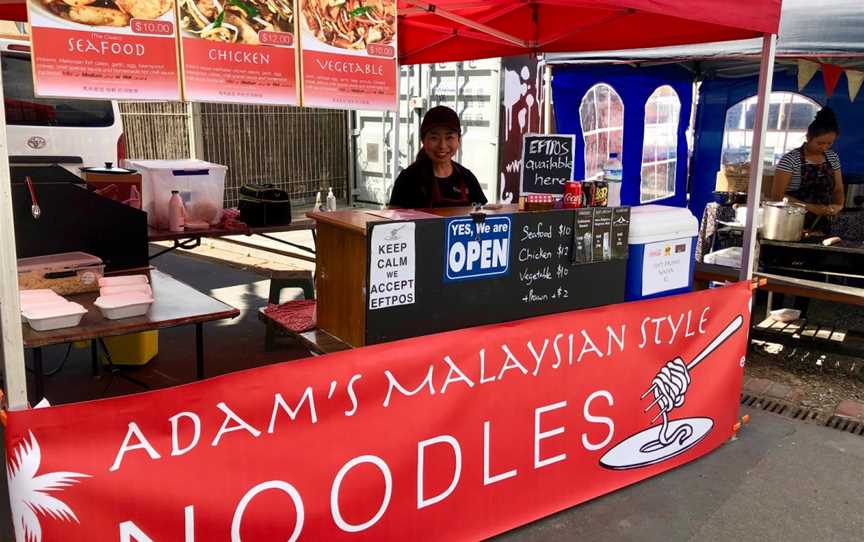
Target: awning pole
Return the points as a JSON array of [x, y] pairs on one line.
[[397, 121], [754, 191], [547, 99], [10, 310]]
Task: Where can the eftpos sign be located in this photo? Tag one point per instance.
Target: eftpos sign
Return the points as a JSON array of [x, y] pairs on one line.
[[477, 249]]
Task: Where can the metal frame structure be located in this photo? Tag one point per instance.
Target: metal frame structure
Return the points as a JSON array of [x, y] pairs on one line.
[[12, 346]]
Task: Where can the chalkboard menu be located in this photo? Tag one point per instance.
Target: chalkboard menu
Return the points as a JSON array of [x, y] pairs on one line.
[[547, 163], [503, 268]]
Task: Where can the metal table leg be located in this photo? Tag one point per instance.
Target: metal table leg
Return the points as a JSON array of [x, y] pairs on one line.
[[199, 351], [39, 374], [94, 356]]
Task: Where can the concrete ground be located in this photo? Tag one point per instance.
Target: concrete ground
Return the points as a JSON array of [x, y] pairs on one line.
[[782, 479]]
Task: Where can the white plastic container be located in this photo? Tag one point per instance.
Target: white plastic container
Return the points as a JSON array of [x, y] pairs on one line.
[[128, 305], [66, 274], [123, 280], [741, 216], [727, 257], [662, 240], [201, 185], [51, 316], [785, 315], [126, 288]]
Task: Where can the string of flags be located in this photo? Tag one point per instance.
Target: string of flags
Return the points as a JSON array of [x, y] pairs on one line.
[[831, 74]]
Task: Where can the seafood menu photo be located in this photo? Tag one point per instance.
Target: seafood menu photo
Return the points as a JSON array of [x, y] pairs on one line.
[[116, 13], [115, 49], [349, 53]]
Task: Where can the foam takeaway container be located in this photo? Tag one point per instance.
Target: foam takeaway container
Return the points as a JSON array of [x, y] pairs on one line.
[[662, 251]]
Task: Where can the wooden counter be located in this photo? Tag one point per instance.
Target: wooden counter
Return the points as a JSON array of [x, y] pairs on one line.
[[540, 277]]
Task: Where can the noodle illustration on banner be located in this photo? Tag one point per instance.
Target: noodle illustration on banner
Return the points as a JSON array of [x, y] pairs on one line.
[[671, 438]]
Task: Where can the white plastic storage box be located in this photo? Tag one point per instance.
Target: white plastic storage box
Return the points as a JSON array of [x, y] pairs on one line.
[[201, 185], [662, 245]]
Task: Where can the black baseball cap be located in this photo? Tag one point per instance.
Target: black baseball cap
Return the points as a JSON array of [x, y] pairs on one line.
[[440, 117]]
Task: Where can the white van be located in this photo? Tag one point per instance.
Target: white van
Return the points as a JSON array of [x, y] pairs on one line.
[[72, 133]]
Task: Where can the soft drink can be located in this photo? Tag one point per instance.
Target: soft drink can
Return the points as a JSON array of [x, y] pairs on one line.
[[572, 195], [600, 197]]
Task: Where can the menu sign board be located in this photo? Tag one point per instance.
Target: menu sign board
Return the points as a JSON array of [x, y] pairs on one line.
[[349, 53], [239, 51], [547, 163], [116, 49]]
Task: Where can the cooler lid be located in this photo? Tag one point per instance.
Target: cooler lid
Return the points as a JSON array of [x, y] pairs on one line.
[[652, 223], [54, 262]]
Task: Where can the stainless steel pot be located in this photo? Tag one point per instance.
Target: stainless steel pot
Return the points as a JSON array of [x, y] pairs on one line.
[[783, 221]]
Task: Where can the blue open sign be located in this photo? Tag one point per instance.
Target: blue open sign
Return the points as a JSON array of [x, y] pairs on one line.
[[477, 250]]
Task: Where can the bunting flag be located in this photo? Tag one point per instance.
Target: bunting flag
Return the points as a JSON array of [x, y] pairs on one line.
[[854, 78], [831, 75], [806, 71]]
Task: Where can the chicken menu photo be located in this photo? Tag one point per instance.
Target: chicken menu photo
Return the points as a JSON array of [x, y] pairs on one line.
[[119, 49], [239, 51], [349, 53]]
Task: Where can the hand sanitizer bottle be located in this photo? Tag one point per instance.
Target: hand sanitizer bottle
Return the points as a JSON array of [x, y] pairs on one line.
[[331, 200]]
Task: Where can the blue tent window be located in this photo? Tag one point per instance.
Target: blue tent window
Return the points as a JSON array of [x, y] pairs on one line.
[[789, 115], [602, 115], [660, 147]]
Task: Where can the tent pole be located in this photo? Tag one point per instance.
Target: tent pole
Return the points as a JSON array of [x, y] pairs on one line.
[[10, 310], [547, 99], [754, 191], [397, 121]]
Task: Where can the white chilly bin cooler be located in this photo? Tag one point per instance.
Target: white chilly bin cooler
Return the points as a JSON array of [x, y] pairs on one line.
[[201, 185], [662, 244]]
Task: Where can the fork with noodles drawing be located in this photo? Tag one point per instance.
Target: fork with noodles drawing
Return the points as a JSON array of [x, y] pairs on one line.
[[671, 383]]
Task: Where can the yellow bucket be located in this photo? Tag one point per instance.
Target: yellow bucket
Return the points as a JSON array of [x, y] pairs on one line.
[[134, 349]]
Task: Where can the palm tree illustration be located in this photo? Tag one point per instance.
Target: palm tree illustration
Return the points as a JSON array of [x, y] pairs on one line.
[[29, 493]]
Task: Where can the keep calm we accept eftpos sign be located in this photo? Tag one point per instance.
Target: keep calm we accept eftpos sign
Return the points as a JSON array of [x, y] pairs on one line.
[[113, 49], [393, 442], [392, 265], [547, 163]]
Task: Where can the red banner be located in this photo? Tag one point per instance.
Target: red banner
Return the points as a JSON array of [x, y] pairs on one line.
[[456, 436]]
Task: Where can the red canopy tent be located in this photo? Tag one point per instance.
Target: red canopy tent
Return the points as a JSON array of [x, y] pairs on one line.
[[450, 30]]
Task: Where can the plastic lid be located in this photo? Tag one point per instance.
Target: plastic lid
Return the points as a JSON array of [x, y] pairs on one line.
[[126, 299], [43, 293], [121, 280], [67, 260], [653, 223], [53, 310], [173, 164]]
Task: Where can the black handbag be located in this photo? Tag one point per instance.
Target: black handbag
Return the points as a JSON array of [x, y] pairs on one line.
[[264, 205]]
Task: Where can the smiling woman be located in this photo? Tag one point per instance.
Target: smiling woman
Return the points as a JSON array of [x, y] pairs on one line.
[[434, 179]]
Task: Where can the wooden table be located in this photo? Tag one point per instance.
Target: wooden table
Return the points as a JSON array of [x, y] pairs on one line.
[[191, 239], [785, 285], [175, 304]]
